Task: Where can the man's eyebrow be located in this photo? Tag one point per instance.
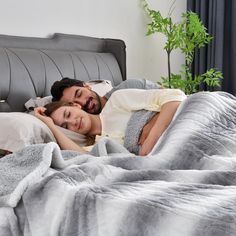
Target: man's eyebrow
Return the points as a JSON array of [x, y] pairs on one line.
[[76, 92]]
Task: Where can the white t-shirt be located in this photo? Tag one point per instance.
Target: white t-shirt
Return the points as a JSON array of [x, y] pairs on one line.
[[119, 108]]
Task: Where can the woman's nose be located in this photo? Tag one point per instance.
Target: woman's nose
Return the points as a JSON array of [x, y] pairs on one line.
[[71, 121]]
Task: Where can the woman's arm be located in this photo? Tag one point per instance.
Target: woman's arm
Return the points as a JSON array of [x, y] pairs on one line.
[[64, 142], [161, 123]]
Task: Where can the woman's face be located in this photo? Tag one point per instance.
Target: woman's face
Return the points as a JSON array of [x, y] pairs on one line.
[[72, 118]]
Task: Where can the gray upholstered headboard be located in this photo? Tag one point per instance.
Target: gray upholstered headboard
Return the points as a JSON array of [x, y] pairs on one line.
[[29, 66]]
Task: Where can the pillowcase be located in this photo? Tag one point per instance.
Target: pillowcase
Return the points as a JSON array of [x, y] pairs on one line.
[[19, 130], [101, 87], [37, 102]]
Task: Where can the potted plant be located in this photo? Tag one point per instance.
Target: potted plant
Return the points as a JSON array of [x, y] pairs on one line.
[[188, 35]]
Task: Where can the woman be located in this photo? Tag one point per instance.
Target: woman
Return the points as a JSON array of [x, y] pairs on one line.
[[113, 119]]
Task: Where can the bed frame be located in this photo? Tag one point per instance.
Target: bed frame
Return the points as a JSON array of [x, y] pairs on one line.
[[29, 66]]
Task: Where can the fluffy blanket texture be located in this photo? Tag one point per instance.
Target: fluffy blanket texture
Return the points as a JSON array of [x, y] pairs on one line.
[[185, 187]]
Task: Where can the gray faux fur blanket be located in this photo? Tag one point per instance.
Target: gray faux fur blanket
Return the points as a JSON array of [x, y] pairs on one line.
[[185, 187]]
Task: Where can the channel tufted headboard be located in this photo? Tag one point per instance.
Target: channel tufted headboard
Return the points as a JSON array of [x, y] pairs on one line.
[[29, 66]]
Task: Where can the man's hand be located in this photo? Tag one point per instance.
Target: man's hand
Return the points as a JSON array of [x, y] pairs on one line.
[[147, 145], [146, 129]]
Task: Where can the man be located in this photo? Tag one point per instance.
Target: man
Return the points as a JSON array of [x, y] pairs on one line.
[[72, 90]]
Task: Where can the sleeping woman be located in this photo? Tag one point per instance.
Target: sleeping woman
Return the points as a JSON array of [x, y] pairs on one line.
[[113, 120]]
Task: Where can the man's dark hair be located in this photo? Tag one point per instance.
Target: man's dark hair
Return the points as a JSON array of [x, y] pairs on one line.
[[59, 86]]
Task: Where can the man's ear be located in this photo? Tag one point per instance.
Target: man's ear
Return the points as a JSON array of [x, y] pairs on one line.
[[86, 86], [76, 105]]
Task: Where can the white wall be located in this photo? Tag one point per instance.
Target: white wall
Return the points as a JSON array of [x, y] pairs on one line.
[[124, 19]]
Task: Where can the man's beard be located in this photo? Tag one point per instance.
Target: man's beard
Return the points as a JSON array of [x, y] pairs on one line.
[[98, 106]]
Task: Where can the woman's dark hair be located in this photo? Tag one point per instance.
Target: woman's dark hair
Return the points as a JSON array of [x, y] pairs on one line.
[[53, 106], [59, 86]]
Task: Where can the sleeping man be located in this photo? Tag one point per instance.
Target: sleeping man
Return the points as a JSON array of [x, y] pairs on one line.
[[114, 118], [77, 91]]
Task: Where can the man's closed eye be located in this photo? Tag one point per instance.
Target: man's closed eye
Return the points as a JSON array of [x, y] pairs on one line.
[[78, 93]]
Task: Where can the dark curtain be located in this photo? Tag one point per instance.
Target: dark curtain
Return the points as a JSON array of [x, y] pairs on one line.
[[218, 17]]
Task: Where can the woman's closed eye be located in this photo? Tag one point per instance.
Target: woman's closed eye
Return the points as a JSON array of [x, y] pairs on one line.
[[66, 116]]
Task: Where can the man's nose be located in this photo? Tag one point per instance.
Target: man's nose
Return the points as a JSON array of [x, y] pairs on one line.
[[80, 101]]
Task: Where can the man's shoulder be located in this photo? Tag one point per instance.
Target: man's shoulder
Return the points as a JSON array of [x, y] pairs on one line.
[[133, 84], [137, 84]]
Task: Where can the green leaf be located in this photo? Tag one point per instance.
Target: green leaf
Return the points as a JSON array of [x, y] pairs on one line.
[[187, 35]]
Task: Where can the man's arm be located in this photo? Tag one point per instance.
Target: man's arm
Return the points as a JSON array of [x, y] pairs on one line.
[[161, 123], [147, 128], [163, 101], [131, 100]]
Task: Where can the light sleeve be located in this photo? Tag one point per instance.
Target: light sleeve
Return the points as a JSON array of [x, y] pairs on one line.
[[138, 99]]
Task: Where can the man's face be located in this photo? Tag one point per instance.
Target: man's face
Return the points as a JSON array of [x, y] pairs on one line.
[[85, 97]]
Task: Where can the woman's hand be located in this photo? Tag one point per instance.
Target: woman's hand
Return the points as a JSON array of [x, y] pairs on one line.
[[39, 113]]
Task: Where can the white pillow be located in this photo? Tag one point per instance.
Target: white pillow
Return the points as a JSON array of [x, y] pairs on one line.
[[19, 130], [101, 87], [37, 102]]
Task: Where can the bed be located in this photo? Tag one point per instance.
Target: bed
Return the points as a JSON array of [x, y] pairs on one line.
[[185, 187]]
